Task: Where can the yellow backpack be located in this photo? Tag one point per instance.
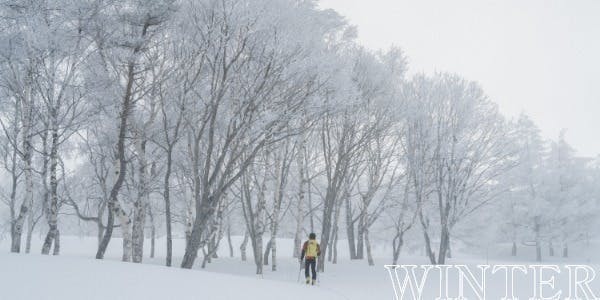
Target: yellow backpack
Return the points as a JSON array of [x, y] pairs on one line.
[[312, 249]]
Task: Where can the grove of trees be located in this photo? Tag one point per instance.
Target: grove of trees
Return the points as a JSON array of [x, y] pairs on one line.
[[203, 119]]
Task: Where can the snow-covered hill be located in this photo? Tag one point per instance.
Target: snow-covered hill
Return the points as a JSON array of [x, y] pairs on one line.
[[69, 278]]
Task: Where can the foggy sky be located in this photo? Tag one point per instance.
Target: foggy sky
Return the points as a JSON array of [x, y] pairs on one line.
[[540, 57]]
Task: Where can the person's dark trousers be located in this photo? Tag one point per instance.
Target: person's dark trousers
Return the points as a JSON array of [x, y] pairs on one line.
[[312, 264]]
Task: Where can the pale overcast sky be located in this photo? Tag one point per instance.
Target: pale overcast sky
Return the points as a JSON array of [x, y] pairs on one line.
[[541, 57]]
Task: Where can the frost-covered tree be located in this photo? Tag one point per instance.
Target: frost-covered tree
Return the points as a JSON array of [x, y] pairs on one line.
[[457, 148], [122, 33], [19, 71], [526, 202], [256, 79]]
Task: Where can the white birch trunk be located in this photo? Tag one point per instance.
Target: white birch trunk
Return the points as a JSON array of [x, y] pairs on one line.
[[281, 168], [27, 203], [301, 161], [139, 207], [30, 228], [189, 222], [260, 229], [125, 224], [52, 213]]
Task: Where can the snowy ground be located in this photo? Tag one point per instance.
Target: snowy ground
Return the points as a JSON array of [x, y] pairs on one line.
[[76, 275], [65, 278]]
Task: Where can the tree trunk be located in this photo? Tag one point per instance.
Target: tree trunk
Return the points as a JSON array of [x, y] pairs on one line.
[[428, 250], [229, 240], [360, 245], [336, 220], [326, 226], [205, 204], [99, 225], [444, 208], [167, 198], [281, 166], [125, 224], [52, 213], [46, 193], [30, 227], [443, 246], [267, 252], [310, 205], [208, 254], [216, 231], [152, 241], [110, 219], [188, 225], [14, 170], [538, 242], [397, 244], [330, 250], [113, 204], [26, 205], [513, 251], [56, 243], [350, 229], [259, 219], [301, 194], [243, 246], [205, 258], [368, 246], [214, 248], [195, 235], [202, 229], [258, 255], [273, 252], [139, 206], [152, 231], [335, 247]]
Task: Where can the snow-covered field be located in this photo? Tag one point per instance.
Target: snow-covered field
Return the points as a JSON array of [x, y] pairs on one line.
[[65, 278], [76, 275]]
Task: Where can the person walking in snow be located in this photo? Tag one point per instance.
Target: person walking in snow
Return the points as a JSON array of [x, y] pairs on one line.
[[310, 250]]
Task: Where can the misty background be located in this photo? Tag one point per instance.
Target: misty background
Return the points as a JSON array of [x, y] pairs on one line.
[[537, 57]]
